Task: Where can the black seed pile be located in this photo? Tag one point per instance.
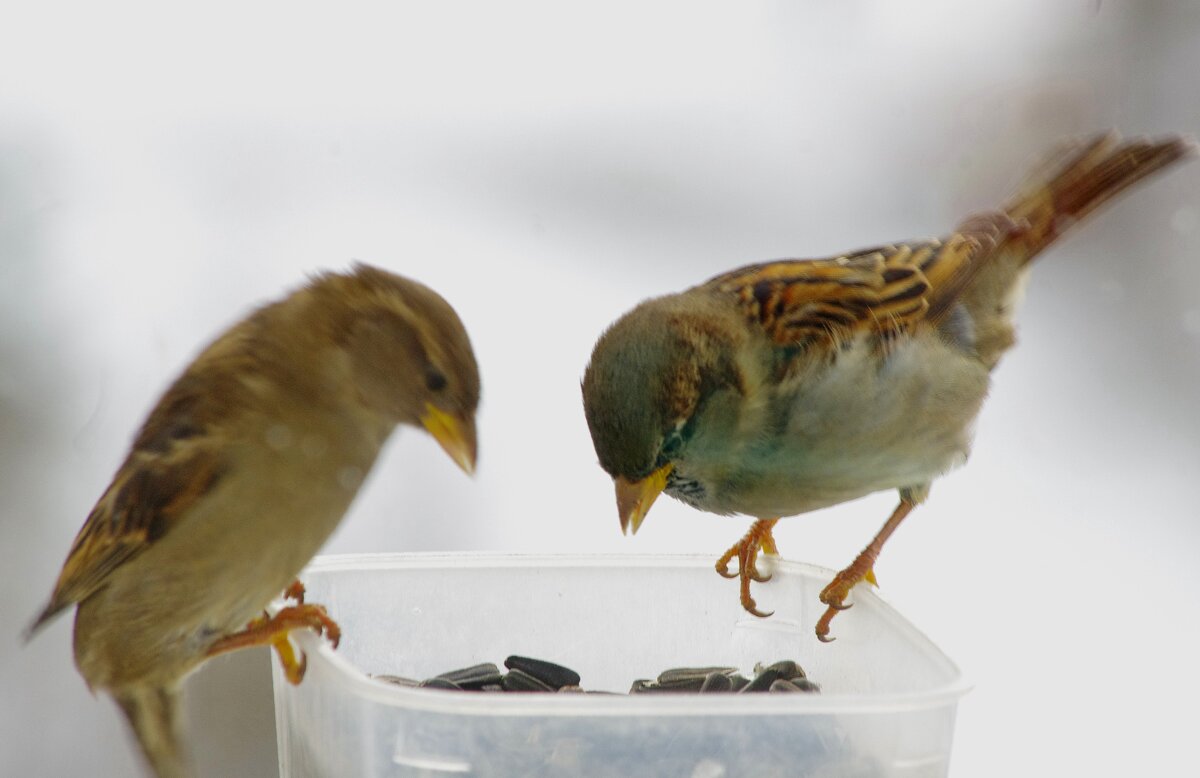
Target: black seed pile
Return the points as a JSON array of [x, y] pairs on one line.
[[525, 674], [784, 676], [729, 746]]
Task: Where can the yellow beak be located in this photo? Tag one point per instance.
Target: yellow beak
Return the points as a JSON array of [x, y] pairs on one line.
[[634, 498], [455, 434]]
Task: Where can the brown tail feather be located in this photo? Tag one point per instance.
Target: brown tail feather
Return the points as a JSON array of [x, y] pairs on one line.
[[153, 714], [1082, 177]]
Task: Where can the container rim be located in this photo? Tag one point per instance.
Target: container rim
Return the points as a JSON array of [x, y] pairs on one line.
[[469, 704]]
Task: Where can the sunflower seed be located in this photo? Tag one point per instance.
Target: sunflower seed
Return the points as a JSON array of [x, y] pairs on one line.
[[762, 681], [473, 677], [716, 682], [517, 680], [554, 676], [688, 674], [439, 683], [787, 669]]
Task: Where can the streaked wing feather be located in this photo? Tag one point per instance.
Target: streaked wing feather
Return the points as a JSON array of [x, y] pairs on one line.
[[959, 258], [886, 290], [177, 458], [146, 499]]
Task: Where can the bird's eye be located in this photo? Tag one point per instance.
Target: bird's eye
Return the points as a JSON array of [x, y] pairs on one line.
[[435, 380]]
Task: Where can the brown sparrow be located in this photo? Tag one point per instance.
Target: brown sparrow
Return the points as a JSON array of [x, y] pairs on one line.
[[239, 475], [781, 388]]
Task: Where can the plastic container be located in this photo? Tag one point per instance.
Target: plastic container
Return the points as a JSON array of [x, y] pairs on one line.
[[887, 704]]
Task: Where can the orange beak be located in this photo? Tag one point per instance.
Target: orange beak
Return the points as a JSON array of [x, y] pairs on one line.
[[634, 498]]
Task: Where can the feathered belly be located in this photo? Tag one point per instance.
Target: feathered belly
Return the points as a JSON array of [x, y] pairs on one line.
[[859, 426]]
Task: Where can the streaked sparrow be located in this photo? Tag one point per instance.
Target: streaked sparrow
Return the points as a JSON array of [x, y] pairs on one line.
[[789, 386], [239, 475]]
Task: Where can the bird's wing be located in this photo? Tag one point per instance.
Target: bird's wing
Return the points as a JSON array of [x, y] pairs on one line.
[[886, 291], [892, 289], [177, 458]]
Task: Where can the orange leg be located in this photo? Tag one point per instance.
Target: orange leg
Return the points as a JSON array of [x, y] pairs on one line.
[[862, 568], [273, 631], [746, 550]]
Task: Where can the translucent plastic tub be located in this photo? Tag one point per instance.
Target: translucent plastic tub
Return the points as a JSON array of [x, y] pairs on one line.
[[886, 708]]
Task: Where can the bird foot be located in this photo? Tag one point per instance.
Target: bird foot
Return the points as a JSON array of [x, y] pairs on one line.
[[834, 596], [273, 631], [759, 538], [863, 567]]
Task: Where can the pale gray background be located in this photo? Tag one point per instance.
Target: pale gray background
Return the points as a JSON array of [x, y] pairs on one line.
[[546, 167]]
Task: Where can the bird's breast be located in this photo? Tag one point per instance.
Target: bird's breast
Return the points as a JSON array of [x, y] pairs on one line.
[[826, 433]]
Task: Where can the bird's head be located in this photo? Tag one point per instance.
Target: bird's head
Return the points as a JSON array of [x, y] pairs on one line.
[[412, 360], [648, 375]]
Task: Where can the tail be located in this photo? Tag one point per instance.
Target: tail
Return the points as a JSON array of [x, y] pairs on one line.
[[1080, 178], [153, 714]]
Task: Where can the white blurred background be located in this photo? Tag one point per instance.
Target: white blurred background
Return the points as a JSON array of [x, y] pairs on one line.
[[548, 165]]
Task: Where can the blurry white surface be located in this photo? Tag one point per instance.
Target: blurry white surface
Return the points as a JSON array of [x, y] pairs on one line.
[[546, 167]]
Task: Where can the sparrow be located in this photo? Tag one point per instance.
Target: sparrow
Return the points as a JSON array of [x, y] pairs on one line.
[[781, 388], [239, 475]]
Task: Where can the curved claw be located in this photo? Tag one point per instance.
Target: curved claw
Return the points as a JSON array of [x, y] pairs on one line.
[[823, 625], [834, 595], [324, 625], [757, 576], [757, 539], [749, 604], [723, 569], [752, 608], [745, 562]]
